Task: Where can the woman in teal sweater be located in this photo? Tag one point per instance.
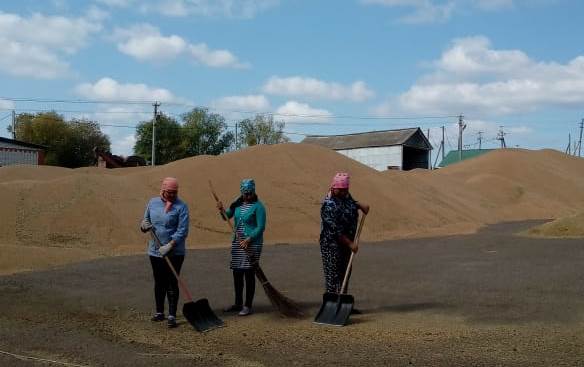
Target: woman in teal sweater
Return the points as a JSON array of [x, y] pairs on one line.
[[246, 245]]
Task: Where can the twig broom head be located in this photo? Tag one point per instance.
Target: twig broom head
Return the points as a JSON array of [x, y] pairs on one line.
[[283, 304]]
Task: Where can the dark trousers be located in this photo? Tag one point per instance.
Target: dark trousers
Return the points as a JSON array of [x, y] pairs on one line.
[[165, 283], [238, 278], [335, 259]]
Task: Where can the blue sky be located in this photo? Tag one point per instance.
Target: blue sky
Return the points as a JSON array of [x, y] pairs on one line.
[[324, 67]]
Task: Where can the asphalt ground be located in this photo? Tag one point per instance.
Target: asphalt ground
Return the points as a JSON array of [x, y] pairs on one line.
[[488, 299]]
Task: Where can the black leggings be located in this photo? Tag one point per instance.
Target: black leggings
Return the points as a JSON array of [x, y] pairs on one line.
[[165, 283], [249, 275]]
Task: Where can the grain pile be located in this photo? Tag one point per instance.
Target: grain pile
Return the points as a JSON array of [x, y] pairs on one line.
[[66, 214], [571, 226]]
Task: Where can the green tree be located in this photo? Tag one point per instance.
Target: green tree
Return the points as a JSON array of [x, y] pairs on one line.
[[169, 140], [83, 136], [205, 133], [69, 143], [262, 130]]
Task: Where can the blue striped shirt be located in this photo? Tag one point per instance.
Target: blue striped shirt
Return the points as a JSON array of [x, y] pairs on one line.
[[173, 225]]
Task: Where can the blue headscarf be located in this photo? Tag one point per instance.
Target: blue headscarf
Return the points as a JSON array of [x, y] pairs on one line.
[[247, 186]]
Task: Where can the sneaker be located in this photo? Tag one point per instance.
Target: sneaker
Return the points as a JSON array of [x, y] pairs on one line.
[[245, 311], [232, 308], [172, 322], [157, 317]]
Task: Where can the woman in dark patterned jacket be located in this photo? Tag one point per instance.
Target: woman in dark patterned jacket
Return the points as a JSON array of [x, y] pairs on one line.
[[339, 216]]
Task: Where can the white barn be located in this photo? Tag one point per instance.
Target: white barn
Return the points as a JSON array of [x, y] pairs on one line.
[[402, 149], [14, 152]]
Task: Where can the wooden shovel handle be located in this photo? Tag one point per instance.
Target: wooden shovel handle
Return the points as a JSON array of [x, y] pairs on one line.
[[181, 284], [346, 278]]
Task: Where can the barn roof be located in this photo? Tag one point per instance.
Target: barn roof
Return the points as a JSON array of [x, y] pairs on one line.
[[411, 136], [22, 143]]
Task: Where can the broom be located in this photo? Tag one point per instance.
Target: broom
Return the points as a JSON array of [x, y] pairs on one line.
[[283, 304]]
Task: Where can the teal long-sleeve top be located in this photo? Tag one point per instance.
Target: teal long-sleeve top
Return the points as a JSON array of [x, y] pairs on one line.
[[254, 221]]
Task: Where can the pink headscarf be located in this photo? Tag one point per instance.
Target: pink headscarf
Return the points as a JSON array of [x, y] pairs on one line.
[[168, 184], [340, 181]]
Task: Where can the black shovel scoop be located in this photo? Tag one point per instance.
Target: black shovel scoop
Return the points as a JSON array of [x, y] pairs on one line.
[[336, 307], [199, 313]]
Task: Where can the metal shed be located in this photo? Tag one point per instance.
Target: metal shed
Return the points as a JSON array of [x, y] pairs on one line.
[[402, 149], [14, 152]]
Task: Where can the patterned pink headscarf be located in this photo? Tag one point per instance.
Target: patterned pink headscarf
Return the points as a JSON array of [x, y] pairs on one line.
[[340, 181], [168, 184]]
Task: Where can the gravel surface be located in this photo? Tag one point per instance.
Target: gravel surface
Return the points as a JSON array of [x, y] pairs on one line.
[[486, 299]]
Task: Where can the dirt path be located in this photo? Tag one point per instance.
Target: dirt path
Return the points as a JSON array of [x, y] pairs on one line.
[[485, 299]]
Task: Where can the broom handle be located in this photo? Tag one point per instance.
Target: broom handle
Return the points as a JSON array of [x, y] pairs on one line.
[[182, 285], [343, 287]]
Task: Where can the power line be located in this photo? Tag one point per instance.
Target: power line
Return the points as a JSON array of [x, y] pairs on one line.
[[22, 110], [5, 117], [146, 102]]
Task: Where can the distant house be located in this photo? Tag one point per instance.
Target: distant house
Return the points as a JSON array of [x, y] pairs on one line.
[[402, 149], [18, 152], [453, 156]]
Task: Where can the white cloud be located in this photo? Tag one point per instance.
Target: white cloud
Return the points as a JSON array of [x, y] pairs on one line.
[[473, 78], [145, 43], [123, 145], [215, 58], [240, 107], [96, 14], [209, 8], [107, 89], [293, 111], [20, 59], [434, 11], [317, 89], [250, 103], [494, 4], [52, 32], [473, 55], [6, 105], [116, 3], [423, 11], [34, 46]]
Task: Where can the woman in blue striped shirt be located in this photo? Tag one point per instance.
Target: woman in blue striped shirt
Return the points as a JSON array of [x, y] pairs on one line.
[[169, 217], [246, 245]]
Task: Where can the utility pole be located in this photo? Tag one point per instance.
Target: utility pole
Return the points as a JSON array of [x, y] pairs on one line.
[[442, 142], [428, 136], [13, 124], [501, 136], [156, 105], [236, 137], [480, 139], [580, 141], [569, 148], [461, 127]]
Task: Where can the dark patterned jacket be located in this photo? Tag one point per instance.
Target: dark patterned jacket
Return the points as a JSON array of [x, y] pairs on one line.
[[338, 217]]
